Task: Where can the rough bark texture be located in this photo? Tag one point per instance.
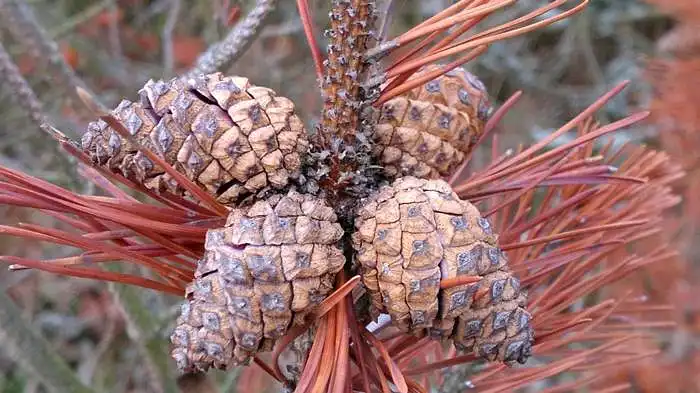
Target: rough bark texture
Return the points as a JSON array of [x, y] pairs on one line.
[[414, 234], [351, 27], [237, 41], [341, 161]]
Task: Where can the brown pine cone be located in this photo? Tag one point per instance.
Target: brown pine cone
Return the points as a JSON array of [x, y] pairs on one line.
[[268, 268], [428, 131], [226, 135], [415, 233]]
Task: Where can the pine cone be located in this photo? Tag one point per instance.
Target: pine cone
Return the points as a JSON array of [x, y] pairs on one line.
[[428, 131], [268, 268], [226, 135], [414, 234]]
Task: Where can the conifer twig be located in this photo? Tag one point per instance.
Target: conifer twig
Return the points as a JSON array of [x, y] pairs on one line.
[[17, 17], [22, 92], [167, 37], [236, 42], [26, 98]]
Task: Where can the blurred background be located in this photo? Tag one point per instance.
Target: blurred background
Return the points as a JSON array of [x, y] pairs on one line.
[[115, 46]]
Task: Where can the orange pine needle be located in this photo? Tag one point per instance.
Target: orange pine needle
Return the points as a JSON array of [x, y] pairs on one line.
[[459, 280], [306, 21]]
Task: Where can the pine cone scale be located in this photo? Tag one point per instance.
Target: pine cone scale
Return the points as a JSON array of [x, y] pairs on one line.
[[416, 233], [271, 264], [428, 131], [227, 136]]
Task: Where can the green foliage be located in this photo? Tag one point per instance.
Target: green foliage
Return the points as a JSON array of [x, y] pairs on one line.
[[34, 353]]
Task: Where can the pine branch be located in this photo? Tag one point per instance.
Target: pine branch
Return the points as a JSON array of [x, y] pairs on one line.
[[227, 51], [343, 149], [18, 19], [351, 28], [22, 92], [28, 102], [167, 37]]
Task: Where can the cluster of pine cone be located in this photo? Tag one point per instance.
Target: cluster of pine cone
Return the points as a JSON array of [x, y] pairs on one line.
[[280, 250]]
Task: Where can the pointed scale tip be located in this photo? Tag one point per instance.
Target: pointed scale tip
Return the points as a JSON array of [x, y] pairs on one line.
[[204, 197]]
